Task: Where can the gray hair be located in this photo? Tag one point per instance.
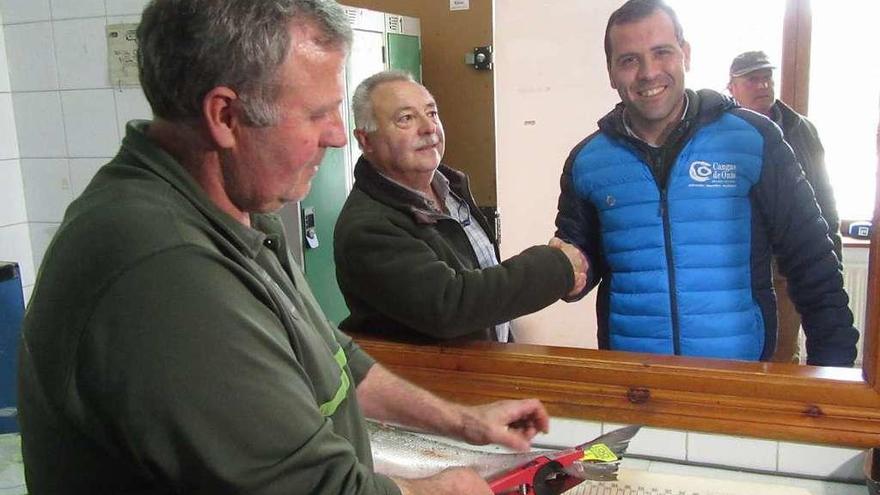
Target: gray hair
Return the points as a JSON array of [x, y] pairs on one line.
[[188, 47], [362, 106]]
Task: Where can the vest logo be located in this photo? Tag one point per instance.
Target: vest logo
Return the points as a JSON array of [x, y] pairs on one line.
[[701, 171], [705, 174]]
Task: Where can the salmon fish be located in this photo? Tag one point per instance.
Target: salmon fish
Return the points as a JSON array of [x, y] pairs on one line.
[[400, 453]]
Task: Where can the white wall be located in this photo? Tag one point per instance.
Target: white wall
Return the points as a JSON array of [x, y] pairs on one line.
[[68, 119], [15, 244], [551, 87], [778, 458]]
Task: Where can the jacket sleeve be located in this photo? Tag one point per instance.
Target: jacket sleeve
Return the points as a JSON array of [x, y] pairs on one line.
[[359, 362], [200, 384], [577, 222], [805, 253], [404, 278], [817, 174]]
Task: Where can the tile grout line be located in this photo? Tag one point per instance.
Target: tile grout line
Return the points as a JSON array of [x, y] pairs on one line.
[[687, 446], [30, 236], [58, 91], [777, 456], [60, 158], [16, 224]]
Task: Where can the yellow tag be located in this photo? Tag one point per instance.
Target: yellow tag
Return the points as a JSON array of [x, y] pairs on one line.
[[599, 453]]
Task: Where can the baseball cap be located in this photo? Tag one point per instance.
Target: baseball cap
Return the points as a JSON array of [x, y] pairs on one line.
[[749, 62]]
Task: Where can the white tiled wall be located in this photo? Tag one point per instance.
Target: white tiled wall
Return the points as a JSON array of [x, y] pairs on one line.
[[39, 113], [8, 141], [15, 242], [31, 54], [4, 61], [124, 7], [656, 442], [69, 9], [732, 451], [821, 461], [46, 188], [13, 211], [60, 118], [568, 432], [20, 11], [81, 52], [768, 456]]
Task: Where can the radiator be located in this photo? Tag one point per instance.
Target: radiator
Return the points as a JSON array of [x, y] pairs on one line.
[[855, 281]]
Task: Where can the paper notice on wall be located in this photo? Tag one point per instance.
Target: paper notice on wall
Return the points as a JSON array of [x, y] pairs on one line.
[[459, 4], [122, 54]]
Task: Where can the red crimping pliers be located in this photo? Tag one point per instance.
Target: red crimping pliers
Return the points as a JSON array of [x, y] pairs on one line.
[[555, 472], [541, 476]]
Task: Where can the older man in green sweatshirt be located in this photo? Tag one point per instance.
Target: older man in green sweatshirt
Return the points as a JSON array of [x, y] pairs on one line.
[[171, 344]]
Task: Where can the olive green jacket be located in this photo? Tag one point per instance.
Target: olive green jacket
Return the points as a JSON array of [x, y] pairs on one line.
[[171, 349], [410, 273]]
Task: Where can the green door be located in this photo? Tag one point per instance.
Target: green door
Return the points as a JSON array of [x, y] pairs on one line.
[[405, 52], [330, 186], [325, 199]]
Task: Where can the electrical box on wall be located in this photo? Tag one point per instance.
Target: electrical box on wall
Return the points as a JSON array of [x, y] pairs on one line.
[[122, 54]]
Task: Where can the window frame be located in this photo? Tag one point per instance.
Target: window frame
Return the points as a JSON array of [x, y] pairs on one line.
[[796, 43]]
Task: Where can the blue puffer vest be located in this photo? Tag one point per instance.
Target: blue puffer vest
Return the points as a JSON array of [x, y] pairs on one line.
[[680, 257], [680, 238]]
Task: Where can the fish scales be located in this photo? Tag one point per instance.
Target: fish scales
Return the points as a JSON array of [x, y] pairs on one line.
[[408, 455]]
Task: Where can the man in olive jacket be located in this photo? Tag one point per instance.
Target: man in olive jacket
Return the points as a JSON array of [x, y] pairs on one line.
[[413, 257], [172, 344]]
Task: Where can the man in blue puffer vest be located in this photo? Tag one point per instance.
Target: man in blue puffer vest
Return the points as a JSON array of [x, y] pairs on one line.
[[681, 199]]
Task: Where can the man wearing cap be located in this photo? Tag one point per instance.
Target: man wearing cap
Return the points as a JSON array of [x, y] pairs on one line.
[[751, 84], [681, 199]]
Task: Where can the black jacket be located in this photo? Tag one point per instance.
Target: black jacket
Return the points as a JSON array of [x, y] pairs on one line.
[[801, 135]]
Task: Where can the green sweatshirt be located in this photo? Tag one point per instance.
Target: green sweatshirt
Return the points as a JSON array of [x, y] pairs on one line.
[[169, 349], [409, 273]]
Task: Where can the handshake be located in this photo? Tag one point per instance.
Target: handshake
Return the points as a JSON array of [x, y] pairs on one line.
[[578, 263]]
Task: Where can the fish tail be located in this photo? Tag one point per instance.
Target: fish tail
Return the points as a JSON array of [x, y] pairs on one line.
[[617, 440], [596, 471]]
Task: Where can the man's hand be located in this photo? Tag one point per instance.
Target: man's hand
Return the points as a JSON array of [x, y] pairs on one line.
[[512, 423], [457, 481], [578, 263]]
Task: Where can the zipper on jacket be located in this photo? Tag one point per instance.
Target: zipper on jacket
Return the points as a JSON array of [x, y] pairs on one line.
[[670, 269], [654, 162], [668, 153]]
